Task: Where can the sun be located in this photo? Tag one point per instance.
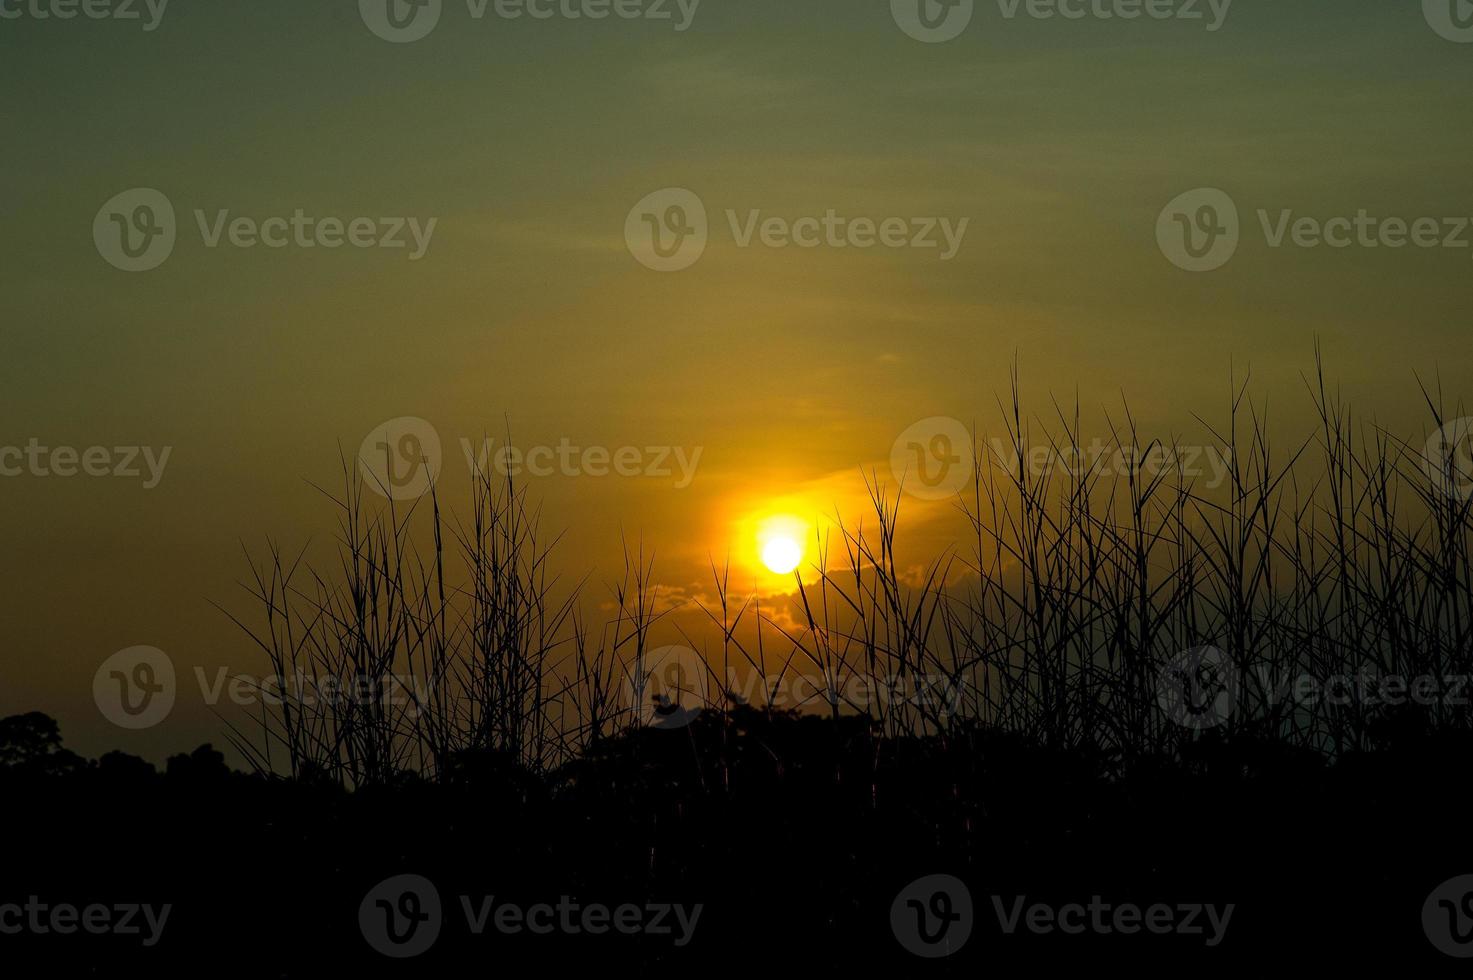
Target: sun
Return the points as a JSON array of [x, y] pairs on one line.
[[781, 555], [780, 544]]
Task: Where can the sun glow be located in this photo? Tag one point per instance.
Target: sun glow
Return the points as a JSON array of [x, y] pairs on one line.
[[780, 543]]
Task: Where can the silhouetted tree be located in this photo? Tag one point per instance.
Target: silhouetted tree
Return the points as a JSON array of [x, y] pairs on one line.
[[28, 738], [32, 743], [122, 767], [201, 764]]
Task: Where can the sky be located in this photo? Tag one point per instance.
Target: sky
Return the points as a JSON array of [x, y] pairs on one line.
[[530, 153]]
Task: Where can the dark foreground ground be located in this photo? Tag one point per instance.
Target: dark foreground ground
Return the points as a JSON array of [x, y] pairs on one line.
[[820, 863]]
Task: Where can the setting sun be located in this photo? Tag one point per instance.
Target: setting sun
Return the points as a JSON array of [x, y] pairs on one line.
[[781, 555], [780, 543]]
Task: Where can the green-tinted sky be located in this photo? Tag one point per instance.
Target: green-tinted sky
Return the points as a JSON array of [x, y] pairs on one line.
[[530, 141]]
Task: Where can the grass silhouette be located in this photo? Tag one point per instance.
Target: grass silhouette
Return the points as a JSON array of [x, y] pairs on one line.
[[1112, 706], [1323, 595]]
